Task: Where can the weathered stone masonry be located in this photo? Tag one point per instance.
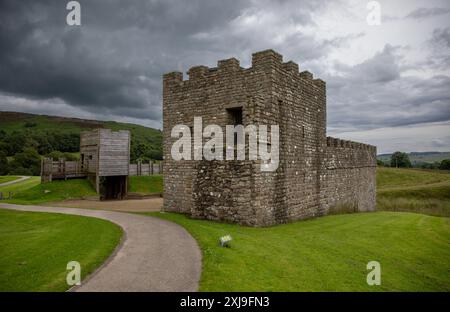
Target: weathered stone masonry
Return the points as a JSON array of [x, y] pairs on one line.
[[316, 175]]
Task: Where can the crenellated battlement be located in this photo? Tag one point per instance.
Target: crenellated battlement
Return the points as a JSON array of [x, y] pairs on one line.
[[266, 60], [336, 142]]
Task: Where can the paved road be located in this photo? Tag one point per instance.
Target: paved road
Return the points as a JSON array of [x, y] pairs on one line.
[[156, 255], [15, 181]]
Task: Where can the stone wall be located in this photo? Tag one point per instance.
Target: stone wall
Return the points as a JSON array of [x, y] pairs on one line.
[[313, 176], [349, 183]]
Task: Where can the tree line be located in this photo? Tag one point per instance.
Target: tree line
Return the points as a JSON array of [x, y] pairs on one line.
[[401, 160]]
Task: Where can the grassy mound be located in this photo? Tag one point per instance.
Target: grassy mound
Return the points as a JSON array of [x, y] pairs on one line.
[[20, 186], [36, 248], [325, 254], [423, 191], [5, 179], [146, 184], [54, 191]]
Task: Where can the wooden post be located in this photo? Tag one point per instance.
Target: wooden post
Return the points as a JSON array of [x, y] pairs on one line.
[[42, 169], [64, 168]]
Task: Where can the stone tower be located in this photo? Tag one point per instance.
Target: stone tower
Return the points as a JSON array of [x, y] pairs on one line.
[[316, 175]]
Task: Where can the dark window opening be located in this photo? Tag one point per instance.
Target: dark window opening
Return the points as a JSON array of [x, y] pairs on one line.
[[235, 118], [235, 115]]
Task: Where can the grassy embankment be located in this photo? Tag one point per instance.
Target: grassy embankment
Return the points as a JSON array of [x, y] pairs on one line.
[[19, 187], [50, 192], [5, 179], [414, 190], [146, 184], [36, 248]]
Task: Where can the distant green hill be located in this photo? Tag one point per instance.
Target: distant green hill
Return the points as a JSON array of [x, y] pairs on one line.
[[146, 142], [420, 157]]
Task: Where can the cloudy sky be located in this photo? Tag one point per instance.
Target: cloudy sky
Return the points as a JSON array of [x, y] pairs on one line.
[[388, 85]]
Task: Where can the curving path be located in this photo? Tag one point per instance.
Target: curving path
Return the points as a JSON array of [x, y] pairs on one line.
[[155, 255]]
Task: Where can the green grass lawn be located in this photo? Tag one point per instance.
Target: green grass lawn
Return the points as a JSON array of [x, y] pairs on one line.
[[423, 191], [4, 179], [54, 191], [36, 247], [146, 184], [325, 254]]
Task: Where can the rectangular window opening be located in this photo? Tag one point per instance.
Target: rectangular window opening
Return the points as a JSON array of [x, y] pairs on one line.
[[235, 118]]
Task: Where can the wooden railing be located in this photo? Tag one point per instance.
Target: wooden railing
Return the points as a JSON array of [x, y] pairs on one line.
[[61, 169]]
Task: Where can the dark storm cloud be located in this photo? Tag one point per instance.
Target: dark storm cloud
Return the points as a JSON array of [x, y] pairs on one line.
[[112, 64]]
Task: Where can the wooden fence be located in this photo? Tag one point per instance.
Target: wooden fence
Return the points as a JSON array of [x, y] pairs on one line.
[[141, 169], [63, 169]]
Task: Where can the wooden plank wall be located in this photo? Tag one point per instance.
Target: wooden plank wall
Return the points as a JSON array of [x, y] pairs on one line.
[[89, 145], [114, 153]]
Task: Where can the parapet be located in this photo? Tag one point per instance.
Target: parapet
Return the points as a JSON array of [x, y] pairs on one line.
[[335, 142], [174, 76], [263, 60], [291, 67], [265, 57], [197, 72], [228, 64], [306, 75]]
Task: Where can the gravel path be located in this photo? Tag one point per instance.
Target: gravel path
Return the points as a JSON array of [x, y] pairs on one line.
[[155, 255]]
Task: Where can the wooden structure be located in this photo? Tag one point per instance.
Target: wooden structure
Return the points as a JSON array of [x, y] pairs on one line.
[[104, 160], [105, 157]]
